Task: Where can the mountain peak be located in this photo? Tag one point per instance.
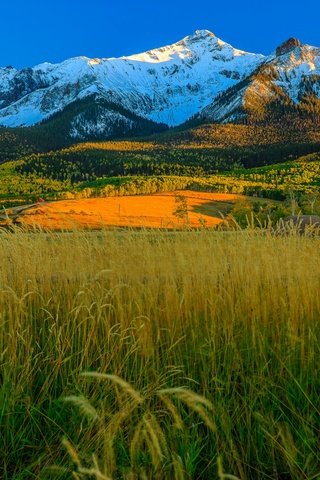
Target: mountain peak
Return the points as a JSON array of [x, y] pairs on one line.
[[288, 46], [201, 35]]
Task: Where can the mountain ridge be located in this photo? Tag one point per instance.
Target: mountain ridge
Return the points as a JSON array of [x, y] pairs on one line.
[[200, 76]]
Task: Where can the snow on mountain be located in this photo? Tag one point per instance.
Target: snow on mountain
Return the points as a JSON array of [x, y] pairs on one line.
[[166, 85], [294, 65], [199, 75], [288, 75], [103, 124]]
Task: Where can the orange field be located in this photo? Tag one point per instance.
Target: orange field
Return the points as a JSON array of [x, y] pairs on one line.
[[155, 211]]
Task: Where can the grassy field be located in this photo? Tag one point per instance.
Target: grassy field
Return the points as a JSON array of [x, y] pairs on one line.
[[168, 210], [149, 355]]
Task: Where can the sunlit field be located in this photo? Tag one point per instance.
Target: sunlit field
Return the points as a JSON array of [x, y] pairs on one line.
[[155, 211], [159, 355]]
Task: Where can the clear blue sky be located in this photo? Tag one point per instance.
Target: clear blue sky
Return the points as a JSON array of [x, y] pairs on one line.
[[34, 31]]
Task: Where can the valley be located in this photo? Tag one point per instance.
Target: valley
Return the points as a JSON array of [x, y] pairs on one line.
[[264, 164]]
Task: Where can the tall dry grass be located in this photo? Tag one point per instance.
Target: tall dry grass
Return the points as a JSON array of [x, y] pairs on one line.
[[187, 355]]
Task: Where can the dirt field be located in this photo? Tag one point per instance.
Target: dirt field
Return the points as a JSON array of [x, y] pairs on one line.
[[156, 211]]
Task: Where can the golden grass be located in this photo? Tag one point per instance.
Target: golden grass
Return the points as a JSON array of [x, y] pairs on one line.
[[200, 351], [155, 211]]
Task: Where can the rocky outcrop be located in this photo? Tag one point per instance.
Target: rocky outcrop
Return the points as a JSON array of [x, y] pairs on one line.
[[288, 46]]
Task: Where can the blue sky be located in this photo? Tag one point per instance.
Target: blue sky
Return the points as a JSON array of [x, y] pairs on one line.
[[36, 31]]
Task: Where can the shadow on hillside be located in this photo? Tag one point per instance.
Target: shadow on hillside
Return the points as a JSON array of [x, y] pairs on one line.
[[213, 209]]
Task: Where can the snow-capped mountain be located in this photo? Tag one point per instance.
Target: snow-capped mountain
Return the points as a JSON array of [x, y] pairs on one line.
[[167, 85], [287, 81], [199, 76]]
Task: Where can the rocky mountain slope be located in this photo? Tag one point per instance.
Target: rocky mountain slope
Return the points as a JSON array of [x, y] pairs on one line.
[[198, 77], [286, 83]]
